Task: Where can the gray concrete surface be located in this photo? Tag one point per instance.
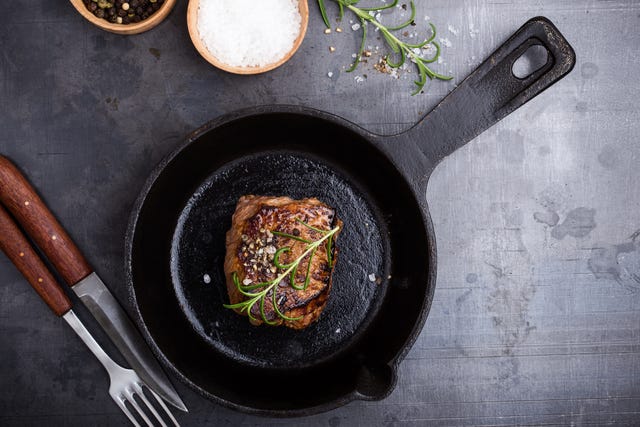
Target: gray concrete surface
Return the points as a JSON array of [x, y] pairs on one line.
[[536, 317]]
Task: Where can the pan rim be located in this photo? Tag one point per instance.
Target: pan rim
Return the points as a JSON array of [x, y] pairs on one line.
[[157, 172]]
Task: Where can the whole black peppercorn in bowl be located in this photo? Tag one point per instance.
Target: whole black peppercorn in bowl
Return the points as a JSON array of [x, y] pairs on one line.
[[124, 16]]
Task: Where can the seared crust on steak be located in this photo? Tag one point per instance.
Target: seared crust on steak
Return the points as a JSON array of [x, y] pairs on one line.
[[251, 246]]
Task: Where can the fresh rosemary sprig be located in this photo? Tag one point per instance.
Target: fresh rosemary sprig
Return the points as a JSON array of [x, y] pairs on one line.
[[405, 50], [259, 292]]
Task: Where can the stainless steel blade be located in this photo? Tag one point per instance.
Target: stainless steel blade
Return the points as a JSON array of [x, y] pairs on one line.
[[115, 322]]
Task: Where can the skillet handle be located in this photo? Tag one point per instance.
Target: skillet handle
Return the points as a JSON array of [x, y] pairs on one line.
[[20, 198], [15, 245], [492, 91]]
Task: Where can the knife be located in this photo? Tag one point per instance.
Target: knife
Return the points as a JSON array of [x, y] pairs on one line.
[[20, 198]]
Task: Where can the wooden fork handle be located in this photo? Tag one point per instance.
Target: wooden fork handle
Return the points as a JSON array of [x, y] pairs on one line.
[[19, 197], [15, 245]]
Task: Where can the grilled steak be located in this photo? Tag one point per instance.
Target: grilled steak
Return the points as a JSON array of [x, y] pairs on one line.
[[256, 237]]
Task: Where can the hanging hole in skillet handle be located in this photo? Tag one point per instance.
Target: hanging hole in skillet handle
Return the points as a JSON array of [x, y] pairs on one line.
[[534, 58], [496, 88], [375, 382]]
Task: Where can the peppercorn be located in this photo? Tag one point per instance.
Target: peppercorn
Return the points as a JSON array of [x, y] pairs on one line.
[[123, 11], [104, 4]]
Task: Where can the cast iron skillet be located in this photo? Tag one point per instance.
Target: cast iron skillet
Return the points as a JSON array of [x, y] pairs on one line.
[[175, 242]]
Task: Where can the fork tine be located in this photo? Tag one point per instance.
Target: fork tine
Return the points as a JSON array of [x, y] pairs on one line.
[[140, 393], [137, 407], [120, 402], [168, 412]]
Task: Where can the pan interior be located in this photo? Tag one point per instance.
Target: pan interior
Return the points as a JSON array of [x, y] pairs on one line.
[[198, 251], [177, 236]]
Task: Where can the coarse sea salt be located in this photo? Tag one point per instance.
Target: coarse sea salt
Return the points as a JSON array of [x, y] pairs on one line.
[[249, 33]]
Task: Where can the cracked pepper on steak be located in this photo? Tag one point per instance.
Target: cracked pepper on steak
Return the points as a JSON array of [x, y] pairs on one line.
[[251, 246]]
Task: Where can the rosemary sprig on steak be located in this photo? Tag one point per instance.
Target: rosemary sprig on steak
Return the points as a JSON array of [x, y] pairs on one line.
[[258, 293]]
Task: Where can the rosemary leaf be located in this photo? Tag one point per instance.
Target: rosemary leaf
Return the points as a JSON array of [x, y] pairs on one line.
[[356, 61], [406, 23], [323, 12]]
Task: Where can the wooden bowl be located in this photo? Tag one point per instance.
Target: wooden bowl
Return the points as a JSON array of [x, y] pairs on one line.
[[126, 29], [192, 24]]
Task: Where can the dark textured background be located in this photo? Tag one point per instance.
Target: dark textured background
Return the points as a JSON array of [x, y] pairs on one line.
[[536, 317]]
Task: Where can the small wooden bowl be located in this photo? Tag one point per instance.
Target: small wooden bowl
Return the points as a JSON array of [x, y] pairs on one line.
[[126, 29], [192, 24]]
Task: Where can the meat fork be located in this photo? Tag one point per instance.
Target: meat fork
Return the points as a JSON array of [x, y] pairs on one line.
[[125, 383]]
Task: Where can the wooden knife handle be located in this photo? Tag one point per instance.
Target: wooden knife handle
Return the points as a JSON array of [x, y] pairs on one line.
[[19, 197], [15, 245]]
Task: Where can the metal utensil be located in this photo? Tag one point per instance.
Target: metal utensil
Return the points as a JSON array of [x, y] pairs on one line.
[[20, 198], [125, 383]]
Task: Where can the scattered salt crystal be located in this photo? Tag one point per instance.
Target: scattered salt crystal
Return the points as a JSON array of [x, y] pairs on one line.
[[372, 277], [338, 331], [248, 33], [359, 79], [473, 32], [206, 278], [354, 55], [427, 17], [453, 30], [247, 281], [440, 60], [355, 27], [330, 74], [445, 42]]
